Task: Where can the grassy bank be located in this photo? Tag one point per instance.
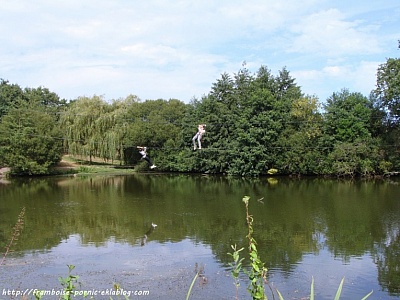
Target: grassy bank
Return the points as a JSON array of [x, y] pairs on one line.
[[80, 166]]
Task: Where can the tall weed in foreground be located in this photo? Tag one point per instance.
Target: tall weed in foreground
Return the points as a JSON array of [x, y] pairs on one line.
[[236, 266], [258, 272], [68, 283], [16, 233]]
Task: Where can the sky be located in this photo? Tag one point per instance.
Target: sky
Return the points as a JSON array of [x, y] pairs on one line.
[[164, 49]]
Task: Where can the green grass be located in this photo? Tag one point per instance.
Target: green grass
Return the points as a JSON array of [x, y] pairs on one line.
[[83, 167]]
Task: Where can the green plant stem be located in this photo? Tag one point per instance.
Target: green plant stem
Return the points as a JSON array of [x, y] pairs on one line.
[[16, 232], [191, 286]]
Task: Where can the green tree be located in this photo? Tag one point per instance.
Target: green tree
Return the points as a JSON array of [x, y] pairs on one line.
[[95, 128], [347, 116], [263, 120], [245, 116], [388, 88], [349, 145], [30, 141], [156, 124], [387, 94], [86, 124], [46, 98], [218, 110], [10, 94], [301, 152]]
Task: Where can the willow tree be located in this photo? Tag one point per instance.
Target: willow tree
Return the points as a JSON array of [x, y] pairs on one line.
[[114, 127], [87, 123]]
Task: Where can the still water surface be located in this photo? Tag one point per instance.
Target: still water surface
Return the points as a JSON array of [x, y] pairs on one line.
[[326, 229]]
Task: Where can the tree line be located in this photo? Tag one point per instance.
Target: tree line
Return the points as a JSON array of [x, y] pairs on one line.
[[257, 123]]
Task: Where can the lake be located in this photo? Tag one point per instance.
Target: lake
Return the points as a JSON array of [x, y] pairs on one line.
[[326, 229]]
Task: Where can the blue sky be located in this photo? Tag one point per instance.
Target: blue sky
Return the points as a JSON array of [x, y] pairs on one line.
[[177, 49]]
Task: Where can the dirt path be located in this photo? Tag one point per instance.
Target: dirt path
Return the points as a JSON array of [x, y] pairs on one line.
[[66, 164], [3, 171]]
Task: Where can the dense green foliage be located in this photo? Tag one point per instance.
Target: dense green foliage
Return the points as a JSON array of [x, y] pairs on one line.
[[30, 140], [9, 95], [255, 123], [387, 96], [388, 87]]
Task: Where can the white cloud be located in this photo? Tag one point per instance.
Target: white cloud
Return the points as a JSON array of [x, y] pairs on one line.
[[365, 76], [335, 71], [327, 33], [360, 77], [177, 49]]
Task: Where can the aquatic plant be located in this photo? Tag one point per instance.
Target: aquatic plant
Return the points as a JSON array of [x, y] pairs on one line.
[[236, 267], [258, 272], [68, 283], [199, 274], [191, 286], [16, 233], [117, 287]]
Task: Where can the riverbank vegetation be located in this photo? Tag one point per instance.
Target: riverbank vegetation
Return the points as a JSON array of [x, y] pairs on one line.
[[255, 123]]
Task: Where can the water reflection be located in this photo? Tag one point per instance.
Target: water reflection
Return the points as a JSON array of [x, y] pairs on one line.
[[296, 224]]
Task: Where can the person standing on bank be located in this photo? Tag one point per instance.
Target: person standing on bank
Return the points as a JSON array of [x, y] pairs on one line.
[[142, 151], [201, 129]]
